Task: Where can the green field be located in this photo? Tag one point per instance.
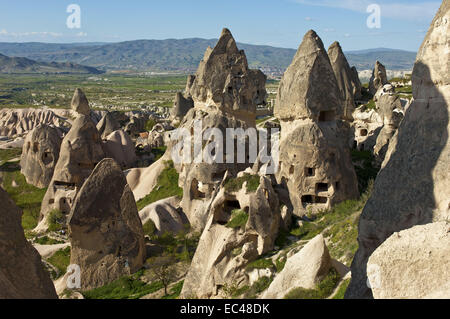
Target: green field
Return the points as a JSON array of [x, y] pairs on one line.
[[55, 91]]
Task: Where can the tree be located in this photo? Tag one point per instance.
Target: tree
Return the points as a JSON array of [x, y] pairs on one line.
[[163, 268]]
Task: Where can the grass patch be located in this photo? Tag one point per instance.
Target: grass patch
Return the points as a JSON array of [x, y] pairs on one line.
[[323, 290], [342, 289], [238, 219], [262, 263], [167, 186], [127, 287], [150, 124], [235, 184], [258, 287], [175, 291], [55, 220], [158, 152], [9, 154], [45, 240], [61, 260], [26, 196], [149, 228]]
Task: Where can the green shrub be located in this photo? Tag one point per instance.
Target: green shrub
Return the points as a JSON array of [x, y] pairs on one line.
[[175, 291], [45, 240], [149, 228], [55, 220], [258, 287], [342, 289], [238, 219], [167, 186], [323, 290], [150, 124]]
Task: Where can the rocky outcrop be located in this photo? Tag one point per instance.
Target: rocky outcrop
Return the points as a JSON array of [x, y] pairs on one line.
[[378, 79], [305, 269], [413, 188], [81, 150], [358, 87], [226, 246], [119, 146], [107, 125], [80, 103], [413, 263], [315, 163], [180, 107], [40, 154], [15, 122], [22, 274], [348, 85], [366, 127], [166, 215], [225, 94], [106, 235]]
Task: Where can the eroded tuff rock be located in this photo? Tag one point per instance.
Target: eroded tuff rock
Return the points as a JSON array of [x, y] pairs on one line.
[[80, 103], [315, 162], [413, 263], [40, 153], [119, 146], [378, 79], [181, 106], [15, 122], [106, 235], [107, 125], [81, 150], [414, 186], [224, 252], [346, 81], [225, 94], [304, 269], [22, 274]]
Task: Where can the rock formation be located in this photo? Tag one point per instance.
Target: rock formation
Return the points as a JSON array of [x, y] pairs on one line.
[[81, 150], [166, 215], [357, 94], [378, 79], [22, 274], [225, 94], [107, 125], [119, 146], [413, 187], [345, 79], [315, 162], [40, 154], [225, 249], [304, 269], [80, 103], [14, 122], [180, 107], [414, 263], [106, 235]]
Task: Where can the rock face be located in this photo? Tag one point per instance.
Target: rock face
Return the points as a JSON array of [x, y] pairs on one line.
[[391, 111], [166, 215], [106, 235], [366, 128], [119, 146], [346, 81], [413, 188], [314, 156], [40, 153], [181, 106], [225, 94], [223, 251], [305, 269], [20, 121], [378, 79], [81, 150], [22, 274], [358, 87], [107, 125], [80, 103], [413, 263]]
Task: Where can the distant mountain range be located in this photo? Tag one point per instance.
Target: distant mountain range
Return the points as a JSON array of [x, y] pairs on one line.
[[183, 55], [24, 65]]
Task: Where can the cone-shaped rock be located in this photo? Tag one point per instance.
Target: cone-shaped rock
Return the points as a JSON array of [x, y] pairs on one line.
[[315, 162], [345, 79], [105, 230], [309, 88], [378, 79], [107, 125], [80, 102], [413, 187], [181, 106], [22, 274], [40, 153]]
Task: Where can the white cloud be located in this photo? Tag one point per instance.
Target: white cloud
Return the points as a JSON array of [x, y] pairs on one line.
[[308, 19], [398, 10], [81, 34], [329, 30], [3, 32]]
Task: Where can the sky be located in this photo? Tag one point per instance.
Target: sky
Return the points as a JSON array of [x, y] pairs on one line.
[[400, 24]]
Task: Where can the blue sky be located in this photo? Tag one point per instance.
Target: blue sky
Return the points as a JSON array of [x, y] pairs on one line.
[[271, 22]]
